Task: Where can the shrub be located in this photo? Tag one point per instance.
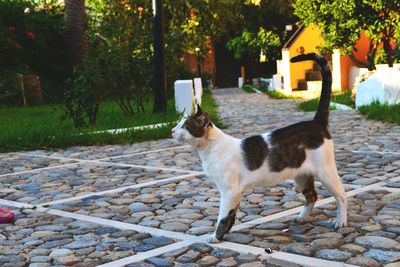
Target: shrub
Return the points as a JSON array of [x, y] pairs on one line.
[[118, 63], [32, 42]]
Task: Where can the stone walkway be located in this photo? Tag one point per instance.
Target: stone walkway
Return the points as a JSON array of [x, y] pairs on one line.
[[149, 204]]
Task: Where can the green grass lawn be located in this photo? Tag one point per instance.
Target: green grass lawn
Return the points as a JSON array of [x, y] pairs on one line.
[[279, 95], [249, 88], [312, 105], [382, 112], [41, 127]]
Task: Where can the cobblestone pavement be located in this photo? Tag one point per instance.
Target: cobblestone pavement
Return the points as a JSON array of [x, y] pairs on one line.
[[149, 204]]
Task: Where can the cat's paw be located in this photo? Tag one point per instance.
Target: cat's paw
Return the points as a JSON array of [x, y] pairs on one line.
[[338, 223], [213, 240], [301, 219]]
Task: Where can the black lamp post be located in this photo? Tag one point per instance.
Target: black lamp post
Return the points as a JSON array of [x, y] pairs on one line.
[[160, 78]]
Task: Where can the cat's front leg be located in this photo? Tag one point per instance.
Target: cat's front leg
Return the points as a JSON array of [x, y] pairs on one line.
[[227, 213]]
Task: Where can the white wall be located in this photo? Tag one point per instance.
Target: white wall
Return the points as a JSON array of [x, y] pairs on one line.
[[354, 72]]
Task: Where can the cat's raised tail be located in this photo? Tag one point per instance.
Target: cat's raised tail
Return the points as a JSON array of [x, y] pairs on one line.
[[322, 115]]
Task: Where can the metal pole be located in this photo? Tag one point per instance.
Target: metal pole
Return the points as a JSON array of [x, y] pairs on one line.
[[160, 78]]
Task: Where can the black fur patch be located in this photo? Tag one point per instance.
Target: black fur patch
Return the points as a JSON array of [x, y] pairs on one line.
[[289, 144], [255, 151], [225, 225], [197, 124], [309, 190]]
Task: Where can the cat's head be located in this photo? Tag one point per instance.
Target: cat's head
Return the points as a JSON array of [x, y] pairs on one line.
[[193, 127]]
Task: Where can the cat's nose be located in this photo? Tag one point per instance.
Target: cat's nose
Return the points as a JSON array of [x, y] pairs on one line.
[[173, 131]]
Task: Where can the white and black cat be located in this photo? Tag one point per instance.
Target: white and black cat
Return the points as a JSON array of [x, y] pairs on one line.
[[302, 151]]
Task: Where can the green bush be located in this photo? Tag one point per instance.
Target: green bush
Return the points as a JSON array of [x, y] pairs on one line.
[[118, 63], [382, 112], [32, 42], [9, 82]]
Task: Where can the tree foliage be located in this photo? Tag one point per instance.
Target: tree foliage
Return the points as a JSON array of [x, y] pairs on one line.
[[342, 23], [262, 29], [31, 42]]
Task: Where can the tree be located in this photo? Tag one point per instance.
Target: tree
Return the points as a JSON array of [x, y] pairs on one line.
[[75, 28], [342, 23]]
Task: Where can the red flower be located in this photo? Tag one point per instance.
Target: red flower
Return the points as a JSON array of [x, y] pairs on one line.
[[30, 35], [11, 28], [48, 8], [393, 45], [5, 47], [27, 66], [192, 13], [140, 9]]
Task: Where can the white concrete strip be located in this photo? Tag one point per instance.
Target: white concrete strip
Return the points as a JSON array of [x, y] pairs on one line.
[[98, 162], [293, 211], [117, 224], [390, 189], [148, 254], [120, 189], [122, 130], [145, 152], [15, 204], [281, 256], [38, 170]]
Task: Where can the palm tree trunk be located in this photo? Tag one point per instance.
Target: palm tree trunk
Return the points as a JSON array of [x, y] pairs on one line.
[[76, 25]]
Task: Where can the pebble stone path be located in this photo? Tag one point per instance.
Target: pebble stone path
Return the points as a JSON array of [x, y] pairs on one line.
[[149, 204]]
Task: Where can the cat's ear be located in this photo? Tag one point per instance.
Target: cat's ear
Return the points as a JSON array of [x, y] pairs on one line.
[[199, 111]]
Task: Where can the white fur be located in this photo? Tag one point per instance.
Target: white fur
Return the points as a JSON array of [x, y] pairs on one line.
[[223, 163]]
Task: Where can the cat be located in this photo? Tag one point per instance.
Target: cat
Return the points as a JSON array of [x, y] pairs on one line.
[[302, 151]]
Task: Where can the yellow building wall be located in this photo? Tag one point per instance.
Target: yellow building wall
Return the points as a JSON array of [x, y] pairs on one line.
[[309, 39]]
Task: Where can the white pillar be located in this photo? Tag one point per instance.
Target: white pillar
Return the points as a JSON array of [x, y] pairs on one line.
[[184, 97], [285, 68], [336, 78], [198, 89], [240, 82], [277, 82]]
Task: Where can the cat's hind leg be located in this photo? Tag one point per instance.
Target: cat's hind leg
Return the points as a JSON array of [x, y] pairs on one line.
[[305, 183], [330, 179], [229, 205]]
